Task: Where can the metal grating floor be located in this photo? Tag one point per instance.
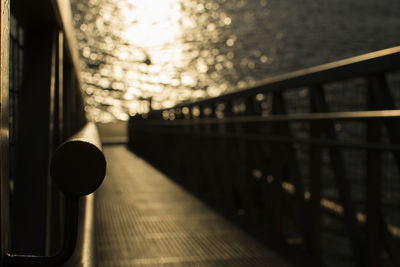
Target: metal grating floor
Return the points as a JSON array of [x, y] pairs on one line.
[[145, 219]]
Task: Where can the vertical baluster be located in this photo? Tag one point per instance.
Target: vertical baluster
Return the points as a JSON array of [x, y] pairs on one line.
[[227, 182], [315, 163], [243, 178], [172, 145], [276, 179], [299, 210], [216, 158], [379, 98], [383, 99], [179, 146], [204, 154], [195, 173], [373, 195], [186, 155], [342, 182]]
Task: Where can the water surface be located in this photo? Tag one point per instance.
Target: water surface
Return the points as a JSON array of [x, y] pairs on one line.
[[184, 50]]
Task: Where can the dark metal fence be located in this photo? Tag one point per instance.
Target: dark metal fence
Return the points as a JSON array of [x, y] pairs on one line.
[[312, 157], [42, 105]]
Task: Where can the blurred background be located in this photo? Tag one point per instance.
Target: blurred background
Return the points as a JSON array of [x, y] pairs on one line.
[[172, 51]]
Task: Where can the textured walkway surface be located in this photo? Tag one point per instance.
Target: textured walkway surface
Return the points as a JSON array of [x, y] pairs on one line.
[[145, 219]]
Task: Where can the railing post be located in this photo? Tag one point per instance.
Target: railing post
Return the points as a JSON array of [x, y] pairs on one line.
[[243, 174], [179, 146], [207, 155], [373, 196], [383, 99], [373, 186], [300, 213], [227, 181], [342, 182], [379, 97], [314, 229], [186, 164], [195, 169]]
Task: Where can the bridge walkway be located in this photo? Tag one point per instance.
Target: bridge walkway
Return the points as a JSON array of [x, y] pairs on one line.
[[145, 219]]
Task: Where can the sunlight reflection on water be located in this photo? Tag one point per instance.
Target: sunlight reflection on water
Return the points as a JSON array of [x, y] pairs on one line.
[[169, 50], [183, 50]]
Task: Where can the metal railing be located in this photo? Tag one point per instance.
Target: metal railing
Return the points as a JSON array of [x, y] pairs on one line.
[[302, 155], [78, 168], [42, 106]]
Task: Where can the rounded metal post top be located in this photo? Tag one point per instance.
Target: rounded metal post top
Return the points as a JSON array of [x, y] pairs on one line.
[[78, 166]]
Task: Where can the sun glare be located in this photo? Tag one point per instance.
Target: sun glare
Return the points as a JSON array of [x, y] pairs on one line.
[[152, 23]]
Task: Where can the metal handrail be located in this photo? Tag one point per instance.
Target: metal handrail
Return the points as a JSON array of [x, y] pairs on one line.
[[367, 64], [78, 167], [349, 115]]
